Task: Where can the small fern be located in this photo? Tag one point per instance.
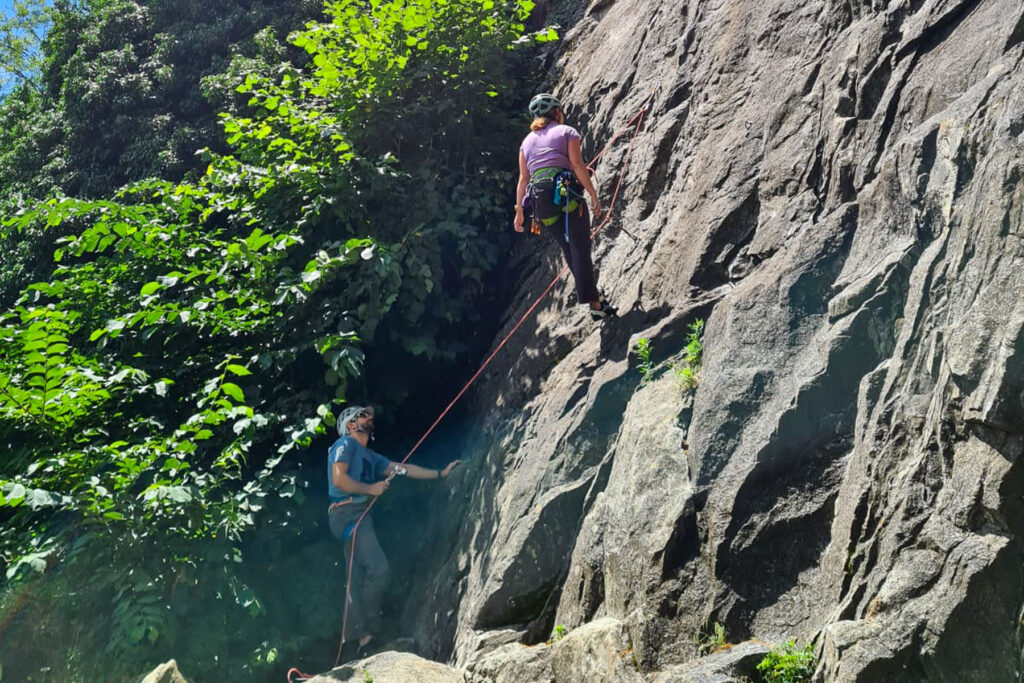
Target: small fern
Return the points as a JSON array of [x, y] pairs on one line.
[[709, 642], [788, 664], [686, 371], [643, 354]]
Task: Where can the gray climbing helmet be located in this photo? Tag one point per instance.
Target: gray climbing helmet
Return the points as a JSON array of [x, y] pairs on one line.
[[349, 415], [543, 103]]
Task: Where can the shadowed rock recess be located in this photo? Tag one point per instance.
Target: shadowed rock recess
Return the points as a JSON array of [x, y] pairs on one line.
[[835, 186]]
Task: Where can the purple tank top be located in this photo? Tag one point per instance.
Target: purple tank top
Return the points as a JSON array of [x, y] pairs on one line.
[[548, 147]]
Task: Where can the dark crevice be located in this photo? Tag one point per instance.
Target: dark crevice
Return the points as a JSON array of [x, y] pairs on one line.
[[812, 78], [929, 150], [815, 179], [932, 36], [679, 94], [846, 185], [735, 231], [873, 88], [598, 9], [586, 374], [888, 122], [1017, 36], [660, 173], [966, 162], [683, 544], [849, 610], [852, 561]]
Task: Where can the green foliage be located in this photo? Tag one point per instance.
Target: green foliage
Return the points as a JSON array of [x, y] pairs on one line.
[[167, 351], [116, 86], [710, 640], [686, 372], [559, 632], [144, 377], [23, 24], [45, 384], [384, 120], [119, 99], [788, 664], [643, 354]]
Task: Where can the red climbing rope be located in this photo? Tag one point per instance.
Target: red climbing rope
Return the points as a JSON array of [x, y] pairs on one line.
[[634, 124], [302, 676], [639, 118]]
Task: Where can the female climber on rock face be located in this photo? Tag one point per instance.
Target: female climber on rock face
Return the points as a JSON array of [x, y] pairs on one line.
[[552, 175]]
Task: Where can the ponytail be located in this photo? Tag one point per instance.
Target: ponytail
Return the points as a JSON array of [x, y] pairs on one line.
[[542, 122]]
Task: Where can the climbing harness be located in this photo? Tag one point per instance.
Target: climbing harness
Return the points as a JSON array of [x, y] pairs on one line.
[[634, 124], [566, 195]]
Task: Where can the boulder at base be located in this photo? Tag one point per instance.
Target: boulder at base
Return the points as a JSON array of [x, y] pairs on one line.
[[165, 673], [738, 663], [392, 667]]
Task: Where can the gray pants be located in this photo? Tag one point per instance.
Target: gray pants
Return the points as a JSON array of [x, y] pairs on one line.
[[370, 569]]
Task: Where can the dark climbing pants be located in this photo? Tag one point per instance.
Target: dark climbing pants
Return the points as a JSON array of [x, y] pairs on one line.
[[577, 251], [370, 569]]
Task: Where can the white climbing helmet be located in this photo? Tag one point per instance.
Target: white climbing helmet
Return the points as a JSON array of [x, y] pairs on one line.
[[349, 415], [543, 103]]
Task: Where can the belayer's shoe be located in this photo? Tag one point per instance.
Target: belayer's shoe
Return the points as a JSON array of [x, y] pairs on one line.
[[606, 311]]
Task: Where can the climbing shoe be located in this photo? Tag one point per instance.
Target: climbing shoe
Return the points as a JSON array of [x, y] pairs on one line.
[[606, 311]]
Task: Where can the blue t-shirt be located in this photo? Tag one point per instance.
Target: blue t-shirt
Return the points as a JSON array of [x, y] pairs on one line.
[[364, 466]]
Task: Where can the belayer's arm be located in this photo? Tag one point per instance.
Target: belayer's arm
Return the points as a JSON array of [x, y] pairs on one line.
[[582, 174], [417, 472], [340, 478]]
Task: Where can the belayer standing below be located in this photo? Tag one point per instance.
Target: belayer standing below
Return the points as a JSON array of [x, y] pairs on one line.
[[355, 476], [552, 176]]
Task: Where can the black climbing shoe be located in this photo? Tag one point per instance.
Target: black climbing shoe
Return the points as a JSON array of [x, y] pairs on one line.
[[606, 311]]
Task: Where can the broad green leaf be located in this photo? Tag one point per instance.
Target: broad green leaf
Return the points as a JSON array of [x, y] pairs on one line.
[[233, 390]]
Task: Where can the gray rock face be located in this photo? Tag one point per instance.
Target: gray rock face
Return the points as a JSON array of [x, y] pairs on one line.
[[392, 667], [737, 663], [599, 652], [835, 187], [511, 663]]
